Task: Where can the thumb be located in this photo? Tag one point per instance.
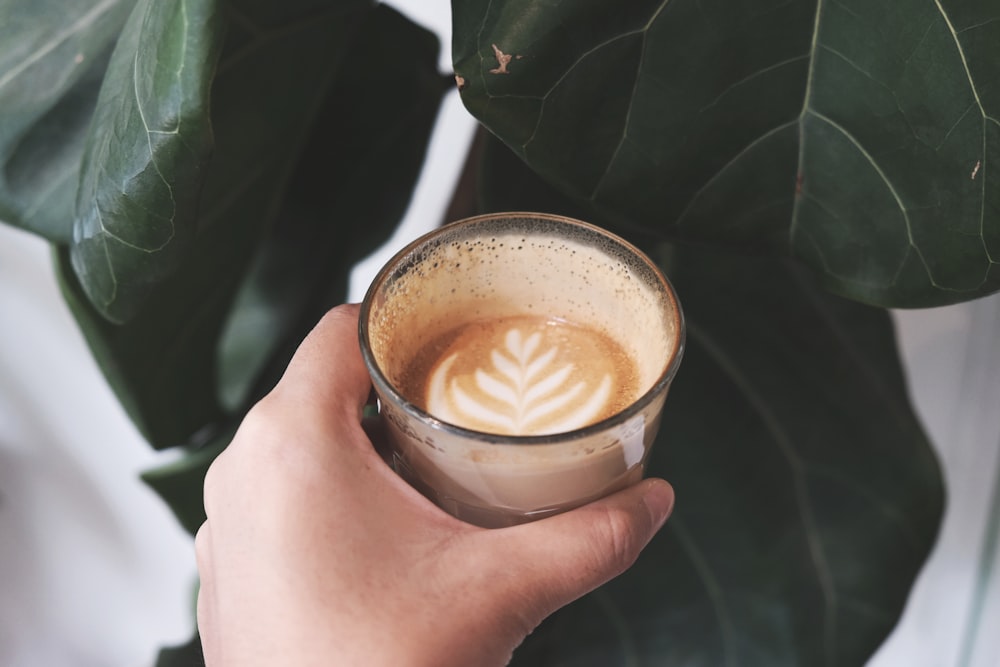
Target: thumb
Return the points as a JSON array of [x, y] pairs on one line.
[[559, 559]]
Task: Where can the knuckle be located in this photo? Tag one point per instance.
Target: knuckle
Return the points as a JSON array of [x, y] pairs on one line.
[[202, 548], [259, 423], [263, 433], [251, 448], [212, 487], [620, 539], [269, 445]]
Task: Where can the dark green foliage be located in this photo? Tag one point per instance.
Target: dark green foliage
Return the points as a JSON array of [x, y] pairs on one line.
[[856, 136], [209, 172]]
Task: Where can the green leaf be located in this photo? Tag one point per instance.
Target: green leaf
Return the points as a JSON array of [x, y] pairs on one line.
[[181, 484], [807, 495], [350, 190], [53, 55], [297, 190], [856, 136], [269, 87], [506, 184], [185, 655], [140, 178], [160, 365]]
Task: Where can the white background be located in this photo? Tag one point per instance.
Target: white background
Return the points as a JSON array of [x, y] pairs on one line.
[[94, 571]]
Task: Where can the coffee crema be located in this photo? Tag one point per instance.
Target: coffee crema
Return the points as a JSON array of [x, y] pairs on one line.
[[522, 375]]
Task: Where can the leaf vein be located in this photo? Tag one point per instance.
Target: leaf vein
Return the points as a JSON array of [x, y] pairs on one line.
[[844, 8], [888, 184], [958, 122], [751, 77], [631, 101], [712, 587], [854, 65], [961, 54], [919, 43], [732, 161], [619, 622], [877, 503], [986, 118], [479, 45], [796, 204], [111, 266], [982, 204], [976, 26], [149, 143], [798, 474], [61, 37], [111, 235], [586, 54]]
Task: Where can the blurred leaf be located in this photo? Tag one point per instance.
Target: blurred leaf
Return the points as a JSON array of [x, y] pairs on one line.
[[331, 218], [807, 495], [269, 87], [141, 175], [350, 190], [856, 136], [53, 54], [186, 655], [181, 484]]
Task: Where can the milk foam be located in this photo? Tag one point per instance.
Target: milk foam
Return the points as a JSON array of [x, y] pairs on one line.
[[523, 380]]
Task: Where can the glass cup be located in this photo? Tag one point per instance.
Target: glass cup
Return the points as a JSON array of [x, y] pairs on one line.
[[521, 362]]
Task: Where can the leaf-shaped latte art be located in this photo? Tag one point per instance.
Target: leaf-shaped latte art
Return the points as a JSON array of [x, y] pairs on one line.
[[522, 386]]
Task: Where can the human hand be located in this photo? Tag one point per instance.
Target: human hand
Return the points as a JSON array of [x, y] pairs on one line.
[[316, 553]]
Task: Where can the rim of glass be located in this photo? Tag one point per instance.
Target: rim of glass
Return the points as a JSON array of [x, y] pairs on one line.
[[383, 385]]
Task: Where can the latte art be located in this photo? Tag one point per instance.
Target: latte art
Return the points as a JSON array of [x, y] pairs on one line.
[[528, 376]]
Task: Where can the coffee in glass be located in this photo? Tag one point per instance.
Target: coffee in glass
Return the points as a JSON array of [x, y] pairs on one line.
[[521, 362]]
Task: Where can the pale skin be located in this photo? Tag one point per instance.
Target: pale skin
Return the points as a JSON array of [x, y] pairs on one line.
[[316, 553]]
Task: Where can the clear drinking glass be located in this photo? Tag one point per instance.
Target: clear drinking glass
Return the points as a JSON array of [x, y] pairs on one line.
[[504, 273]]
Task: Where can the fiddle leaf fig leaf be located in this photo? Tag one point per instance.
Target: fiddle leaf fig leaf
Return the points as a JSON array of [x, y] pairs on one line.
[[278, 227], [53, 55], [180, 484], [184, 655], [808, 496], [337, 211], [141, 174], [162, 362], [860, 137]]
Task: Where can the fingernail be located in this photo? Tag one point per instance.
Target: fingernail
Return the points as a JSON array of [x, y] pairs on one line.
[[659, 499]]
